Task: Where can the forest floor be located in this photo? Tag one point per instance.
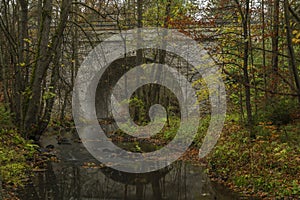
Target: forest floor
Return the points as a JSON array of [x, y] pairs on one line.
[[16, 162], [267, 167]]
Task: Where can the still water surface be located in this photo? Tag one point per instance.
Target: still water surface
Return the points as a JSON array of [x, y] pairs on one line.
[[78, 176]]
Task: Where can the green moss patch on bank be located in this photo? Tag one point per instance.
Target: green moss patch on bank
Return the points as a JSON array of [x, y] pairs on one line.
[[15, 156]]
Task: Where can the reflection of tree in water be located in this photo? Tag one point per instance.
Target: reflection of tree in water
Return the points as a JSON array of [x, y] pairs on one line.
[[140, 181], [79, 183], [178, 181], [45, 186]]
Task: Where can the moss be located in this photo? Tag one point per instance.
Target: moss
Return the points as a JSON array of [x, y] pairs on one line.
[[14, 153]]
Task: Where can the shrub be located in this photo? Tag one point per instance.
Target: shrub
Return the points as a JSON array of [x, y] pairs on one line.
[[5, 117], [279, 112]]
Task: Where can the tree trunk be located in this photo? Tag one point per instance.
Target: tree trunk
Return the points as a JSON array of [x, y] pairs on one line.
[[155, 93], [39, 71], [139, 56], [264, 46], [66, 7], [292, 58], [275, 51], [23, 28], [35, 124], [246, 20]]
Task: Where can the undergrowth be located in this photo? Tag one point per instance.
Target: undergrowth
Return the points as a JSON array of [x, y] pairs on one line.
[[15, 152], [268, 166]]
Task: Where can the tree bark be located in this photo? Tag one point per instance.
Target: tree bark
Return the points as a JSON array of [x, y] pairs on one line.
[[246, 21], [292, 58], [23, 28], [34, 123], [66, 7], [41, 65], [264, 45], [275, 51]]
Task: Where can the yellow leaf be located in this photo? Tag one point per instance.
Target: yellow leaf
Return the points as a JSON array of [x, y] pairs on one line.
[[295, 32], [27, 40]]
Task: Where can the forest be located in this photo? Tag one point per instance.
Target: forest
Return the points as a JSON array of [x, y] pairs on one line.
[[254, 45]]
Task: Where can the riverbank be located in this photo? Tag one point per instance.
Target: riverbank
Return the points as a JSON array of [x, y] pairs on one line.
[[266, 167], [16, 162], [17, 158]]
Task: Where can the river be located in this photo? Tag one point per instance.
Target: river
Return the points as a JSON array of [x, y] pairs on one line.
[[78, 176]]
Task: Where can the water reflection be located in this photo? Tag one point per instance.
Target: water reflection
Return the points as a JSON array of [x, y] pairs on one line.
[[73, 181], [78, 176]]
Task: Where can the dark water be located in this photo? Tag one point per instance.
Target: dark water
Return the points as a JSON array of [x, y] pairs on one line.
[[71, 179]]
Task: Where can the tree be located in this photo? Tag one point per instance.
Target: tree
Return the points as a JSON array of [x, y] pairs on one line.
[[245, 20], [33, 51], [275, 50], [291, 52]]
